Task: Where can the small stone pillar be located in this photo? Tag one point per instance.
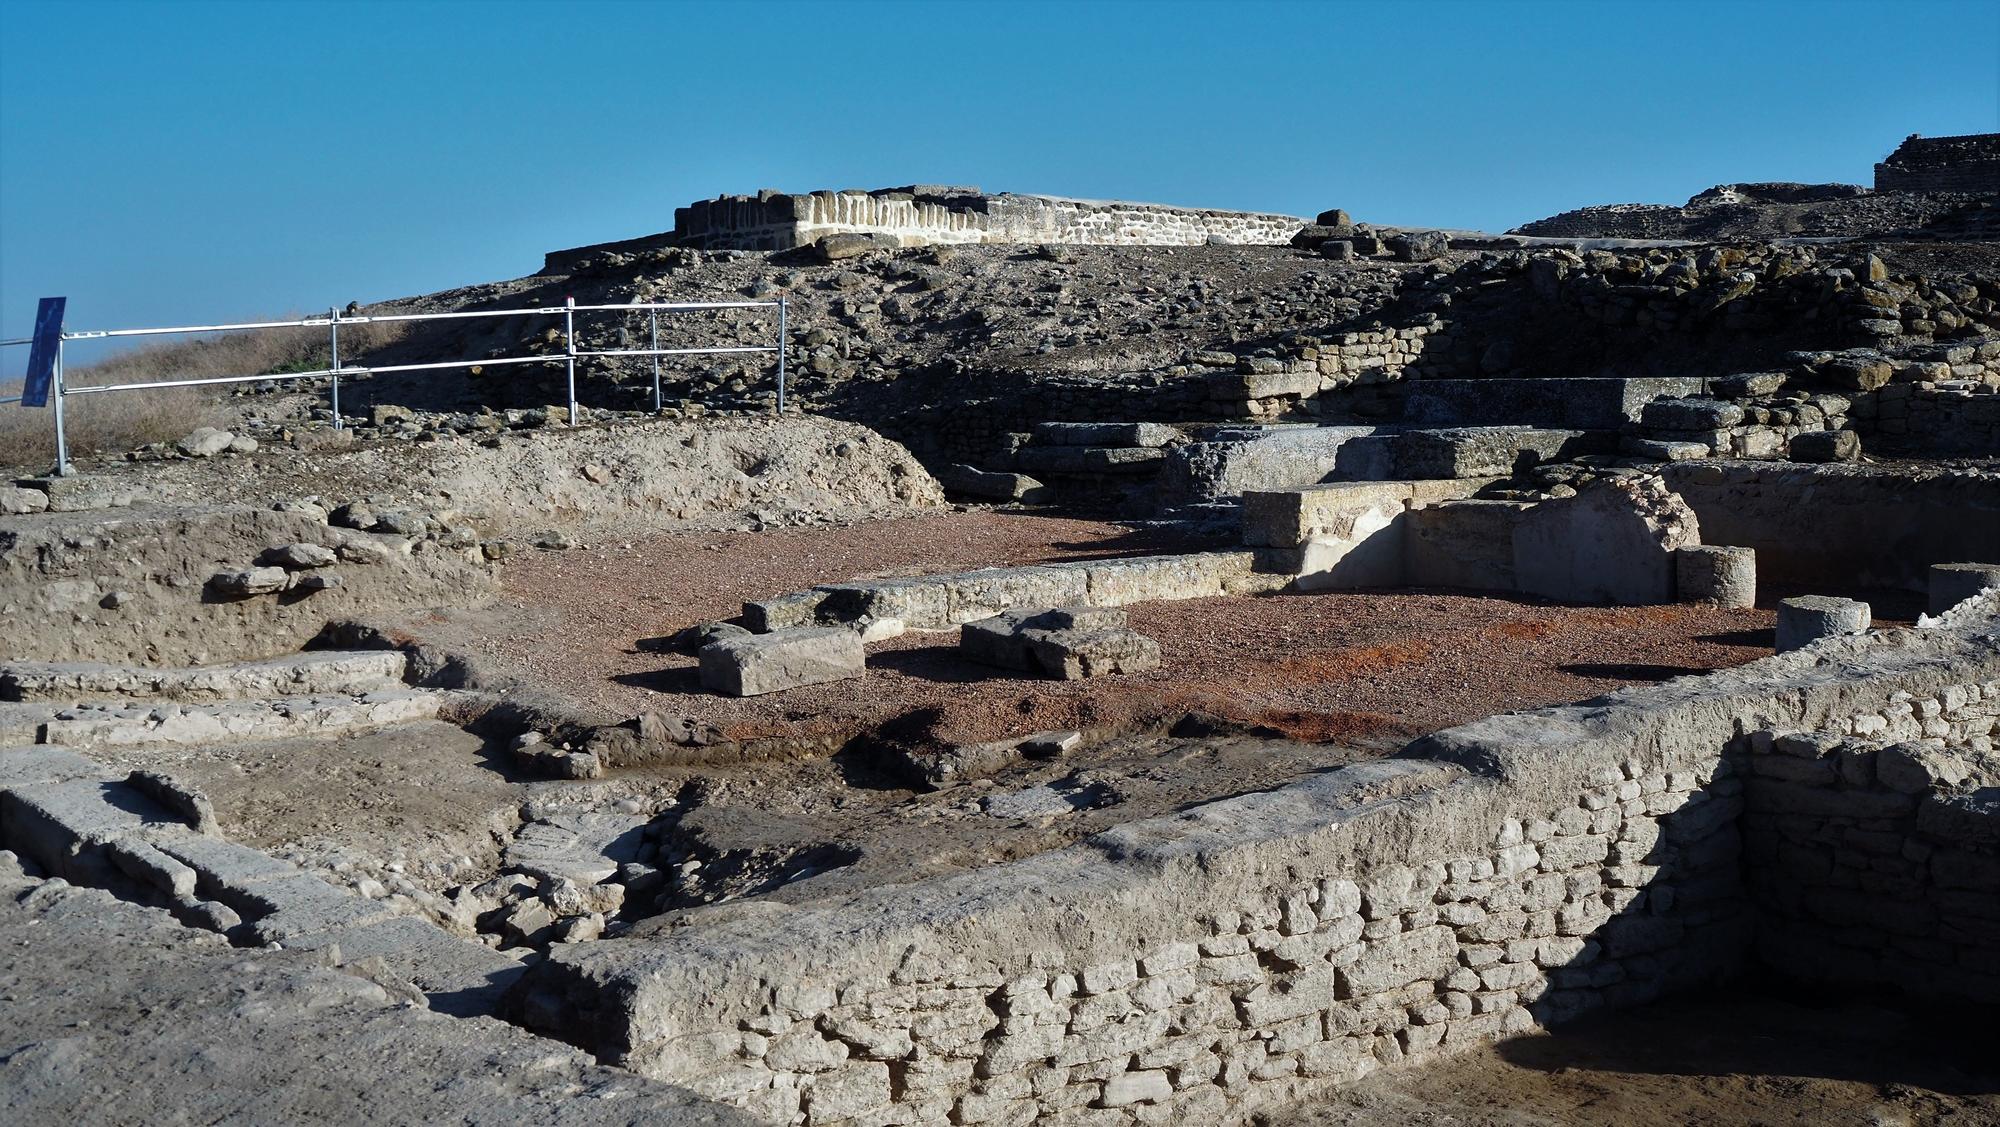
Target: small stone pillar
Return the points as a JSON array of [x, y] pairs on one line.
[[1711, 573], [1809, 618], [1953, 583]]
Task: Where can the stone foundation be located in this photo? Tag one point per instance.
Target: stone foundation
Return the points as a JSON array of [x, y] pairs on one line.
[[1256, 951], [921, 215]]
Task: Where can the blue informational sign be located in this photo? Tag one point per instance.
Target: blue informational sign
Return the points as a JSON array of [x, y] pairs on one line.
[[42, 352]]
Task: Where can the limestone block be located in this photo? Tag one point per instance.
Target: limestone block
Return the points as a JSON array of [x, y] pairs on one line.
[[1708, 573], [1464, 452], [782, 659], [1824, 446], [1198, 575], [1953, 583], [1398, 960], [974, 482], [981, 594], [1612, 543], [15, 501], [1090, 459], [922, 603], [253, 581], [1808, 618], [795, 609], [1077, 654], [1463, 544], [1105, 434]]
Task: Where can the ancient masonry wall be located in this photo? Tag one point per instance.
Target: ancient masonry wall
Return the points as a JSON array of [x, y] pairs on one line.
[[1863, 872], [1517, 871], [774, 221], [1862, 527], [1942, 164]]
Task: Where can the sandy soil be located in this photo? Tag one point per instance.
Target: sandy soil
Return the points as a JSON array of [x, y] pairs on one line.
[[1704, 1061], [1311, 667]]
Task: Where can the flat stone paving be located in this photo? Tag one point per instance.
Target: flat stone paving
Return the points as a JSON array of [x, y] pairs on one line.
[[115, 1013]]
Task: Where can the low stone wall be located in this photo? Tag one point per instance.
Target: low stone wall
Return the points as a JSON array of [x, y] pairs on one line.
[[944, 602], [1836, 527], [1866, 866], [1613, 543], [1517, 871], [921, 215]]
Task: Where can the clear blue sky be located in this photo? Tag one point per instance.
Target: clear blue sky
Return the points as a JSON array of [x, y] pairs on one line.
[[161, 163]]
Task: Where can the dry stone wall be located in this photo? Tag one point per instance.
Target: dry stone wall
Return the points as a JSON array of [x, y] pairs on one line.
[[922, 215], [1517, 871], [1868, 864]]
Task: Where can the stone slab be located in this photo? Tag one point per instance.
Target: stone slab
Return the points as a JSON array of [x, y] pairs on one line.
[[783, 659]]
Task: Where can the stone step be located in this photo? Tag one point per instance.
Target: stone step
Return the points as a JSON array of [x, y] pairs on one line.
[[1579, 404], [304, 674], [58, 810], [128, 723]]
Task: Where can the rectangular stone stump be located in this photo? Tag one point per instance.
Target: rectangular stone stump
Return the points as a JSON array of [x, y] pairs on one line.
[[782, 659]]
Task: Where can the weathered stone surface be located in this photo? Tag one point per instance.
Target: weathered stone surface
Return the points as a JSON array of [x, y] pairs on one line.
[[1824, 446], [205, 442], [254, 581], [783, 659], [1721, 576], [1808, 618], [1106, 434], [1612, 543], [15, 501], [1071, 643], [1953, 583]]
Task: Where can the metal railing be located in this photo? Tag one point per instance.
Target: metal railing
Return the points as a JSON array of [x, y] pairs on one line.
[[60, 390]]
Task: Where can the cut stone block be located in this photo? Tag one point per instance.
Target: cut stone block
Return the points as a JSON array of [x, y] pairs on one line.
[[922, 603], [1105, 434], [1467, 544], [1808, 618], [1464, 452], [1711, 573], [782, 659], [300, 674], [1090, 459], [1611, 544], [1584, 404], [1691, 414], [1824, 446], [1071, 643], [981, 594], [795, 609], [1074, 655], [975, 482], [1953, 583]]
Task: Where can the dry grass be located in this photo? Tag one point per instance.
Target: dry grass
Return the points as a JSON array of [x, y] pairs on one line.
[[127, 420]]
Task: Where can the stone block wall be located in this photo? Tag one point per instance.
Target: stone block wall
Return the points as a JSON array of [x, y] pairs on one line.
[[1867, 863], [1252, 952], [1837, 527], [920, 216], [1969, 163]]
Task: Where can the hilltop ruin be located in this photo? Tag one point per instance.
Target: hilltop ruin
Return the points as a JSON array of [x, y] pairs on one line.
[[1163, 665]]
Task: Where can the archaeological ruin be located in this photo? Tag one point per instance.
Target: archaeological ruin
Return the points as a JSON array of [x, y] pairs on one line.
[[1152, 665]]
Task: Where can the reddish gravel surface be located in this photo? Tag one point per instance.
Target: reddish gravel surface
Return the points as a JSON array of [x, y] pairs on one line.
[[1315, 667]]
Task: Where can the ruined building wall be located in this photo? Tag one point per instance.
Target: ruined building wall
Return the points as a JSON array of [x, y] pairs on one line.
[[774, 221], [1517, 871], [1842, 526], [1942, 164]]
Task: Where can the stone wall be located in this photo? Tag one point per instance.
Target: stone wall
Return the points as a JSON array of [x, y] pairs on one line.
[[1842, 527], [921, 215], [1517, 871], [1969, 163], [1869, 865]]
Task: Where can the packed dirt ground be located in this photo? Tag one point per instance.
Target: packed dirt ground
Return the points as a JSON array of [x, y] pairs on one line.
[[1740, 1057]]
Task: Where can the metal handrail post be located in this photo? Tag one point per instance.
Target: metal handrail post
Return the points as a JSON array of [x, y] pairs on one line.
[[781, 356], [569, 343], [333, 343], [656, 360], [62, 436]]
